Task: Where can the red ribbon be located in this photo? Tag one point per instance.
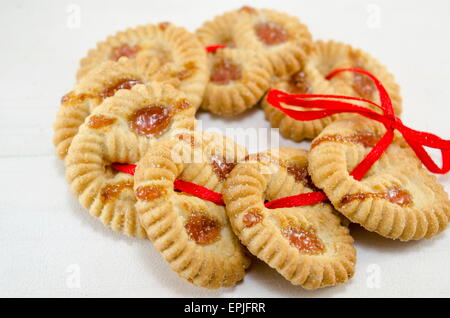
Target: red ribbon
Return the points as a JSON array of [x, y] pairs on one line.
[[328, 105], [213, 48], [215, 197]]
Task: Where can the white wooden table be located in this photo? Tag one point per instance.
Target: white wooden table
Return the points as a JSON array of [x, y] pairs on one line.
[[50, 246]]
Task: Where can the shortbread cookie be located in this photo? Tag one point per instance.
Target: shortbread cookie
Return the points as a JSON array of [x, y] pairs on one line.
[[176, 49], [238, 80], [310, 79], [92, 89], [193, 235], [308, 245], [397, 198], [282, 38], [121, 130]]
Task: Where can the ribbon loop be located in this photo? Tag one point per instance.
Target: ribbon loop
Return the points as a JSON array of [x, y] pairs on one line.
[[327, 105]]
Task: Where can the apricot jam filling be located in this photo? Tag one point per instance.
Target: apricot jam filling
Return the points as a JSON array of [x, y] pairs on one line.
[[123, 84], [394, 195], [225, 71], [112, 191], [126, 50], [299, 83], [363, 86], [100, 121], [271, 33], [305, 241], [252, 217], [367, 139], [202, 229], [301, 175], [150, 121], [188, 70], [222, 167]]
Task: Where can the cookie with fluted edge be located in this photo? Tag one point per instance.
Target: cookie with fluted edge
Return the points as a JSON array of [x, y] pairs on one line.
[[193, 235], [307, 245], [282, 38], [310, 78], [92, 89], [397, 198], [178, 51], [121, 130], [238, 80]]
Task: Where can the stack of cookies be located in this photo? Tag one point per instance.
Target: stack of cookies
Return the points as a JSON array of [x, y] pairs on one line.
[[199, 197]]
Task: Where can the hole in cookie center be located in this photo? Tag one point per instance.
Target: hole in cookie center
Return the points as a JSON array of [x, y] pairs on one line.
[[225, 71], [151, 121], [271, 33], [202, 229], [126, 50], [305, 241]]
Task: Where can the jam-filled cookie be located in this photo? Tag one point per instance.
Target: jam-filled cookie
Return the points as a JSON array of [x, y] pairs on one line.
[[172, 46], [397, 198], [238, 80], [310, 78], [307, 245], [193, 235], [121, 130], [92, 89], [362, 86], [282, 38]]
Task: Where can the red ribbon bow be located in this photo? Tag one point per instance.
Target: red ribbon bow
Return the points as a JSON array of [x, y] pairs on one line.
[[215, 197], [328, 105]]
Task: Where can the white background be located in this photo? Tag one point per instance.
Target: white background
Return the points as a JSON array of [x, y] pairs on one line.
[[48, 241]]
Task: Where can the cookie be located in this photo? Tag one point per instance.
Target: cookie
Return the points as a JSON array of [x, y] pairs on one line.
[[178, 51], [121, 130], [397, 198], [363, 86], [310, 78], [307, 245], [238, 80], [192, 234], [92, 89]]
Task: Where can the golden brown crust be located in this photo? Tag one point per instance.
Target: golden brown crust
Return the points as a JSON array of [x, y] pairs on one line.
[[307, 245], [178, 51], [119, 132], [228, 95], [193, 235], [398, 198]]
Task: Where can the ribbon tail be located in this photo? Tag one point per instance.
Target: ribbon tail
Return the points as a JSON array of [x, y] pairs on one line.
[[377, 151]]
